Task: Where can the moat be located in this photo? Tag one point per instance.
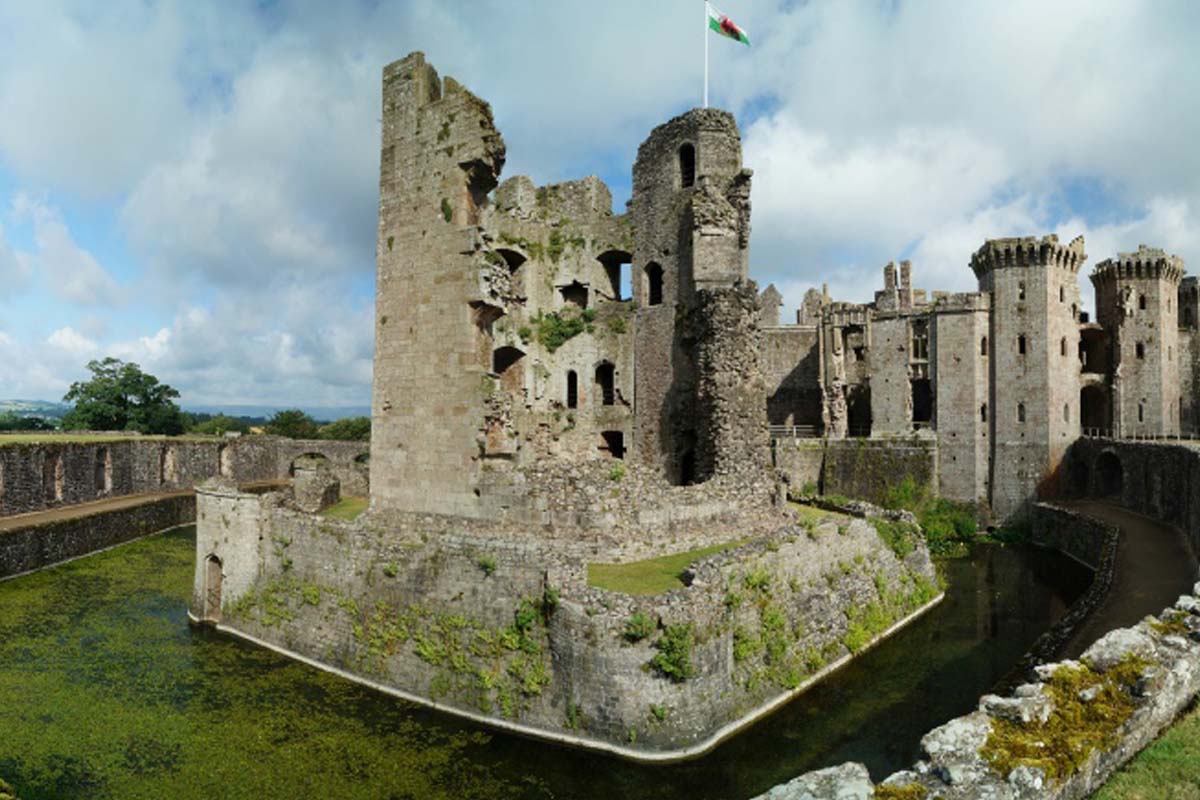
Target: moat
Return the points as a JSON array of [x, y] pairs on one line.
[[106, 692]]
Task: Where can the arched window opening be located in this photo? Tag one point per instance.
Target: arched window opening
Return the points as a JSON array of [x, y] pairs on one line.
[[654, 284], [506, 365], [1062, 346], [1021, 344], [1062, 294], [616, 265], [1021, 290], [1141, 412], [613, 443], [1142, 302], [983, 413], [687, 165], [1140, 350], [983, 346], [1066, 412], [1020, 412], [605, 374], [572, 389]]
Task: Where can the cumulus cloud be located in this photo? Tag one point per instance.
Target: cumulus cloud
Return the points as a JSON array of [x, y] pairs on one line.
[[239, 145], [70, 271]]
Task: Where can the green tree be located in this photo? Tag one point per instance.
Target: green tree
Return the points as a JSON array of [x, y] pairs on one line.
[[219, 425], [294, 424], [348, 429], [120, 397]]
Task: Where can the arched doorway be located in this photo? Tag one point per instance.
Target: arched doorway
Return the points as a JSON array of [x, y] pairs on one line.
[[212, 589], [1111, 475], [1080, 477]]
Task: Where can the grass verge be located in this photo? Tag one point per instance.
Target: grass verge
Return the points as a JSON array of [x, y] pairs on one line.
[[652, 576], [1169, 769], [348, 508]]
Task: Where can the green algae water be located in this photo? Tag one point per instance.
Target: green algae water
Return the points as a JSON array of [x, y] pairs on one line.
[[107, 692]]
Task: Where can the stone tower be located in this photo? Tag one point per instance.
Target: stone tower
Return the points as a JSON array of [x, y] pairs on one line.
[[698, 386], [440, 157], [1137, 302], [1033, 362]]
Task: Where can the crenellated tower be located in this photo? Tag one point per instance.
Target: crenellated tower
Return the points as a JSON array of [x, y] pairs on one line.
[[1137, 301], [1033, 362]]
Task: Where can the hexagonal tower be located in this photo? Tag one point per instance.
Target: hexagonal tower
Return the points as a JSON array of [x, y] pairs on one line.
[[1137, 301], [691, 218], [1033, 363]]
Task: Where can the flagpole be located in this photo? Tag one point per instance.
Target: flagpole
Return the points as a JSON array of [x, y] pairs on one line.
[[706, 53]]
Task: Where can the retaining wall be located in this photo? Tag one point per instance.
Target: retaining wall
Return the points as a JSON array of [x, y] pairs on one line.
[[506, 630], [860, 468], [36, 546], [51, 474]]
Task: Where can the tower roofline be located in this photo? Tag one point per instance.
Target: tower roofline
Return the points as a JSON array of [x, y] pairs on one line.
[[1028, 251], [1146, 263]]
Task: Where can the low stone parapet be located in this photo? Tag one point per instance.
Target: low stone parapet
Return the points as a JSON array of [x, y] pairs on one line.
[[1058, 737]]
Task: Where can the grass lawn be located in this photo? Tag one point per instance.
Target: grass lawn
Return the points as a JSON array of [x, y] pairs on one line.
[[347, 509], [68, 438], [815, 515], [1169, 769], [652, 576]]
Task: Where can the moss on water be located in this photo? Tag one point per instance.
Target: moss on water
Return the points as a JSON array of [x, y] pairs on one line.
[[105, 692]]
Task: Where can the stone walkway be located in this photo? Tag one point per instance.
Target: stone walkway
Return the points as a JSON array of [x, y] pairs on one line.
[[1154, 566], [61, 513]]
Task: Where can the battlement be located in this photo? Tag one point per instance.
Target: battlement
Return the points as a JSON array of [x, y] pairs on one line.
[[1150, 263], [1028, 251], [961, 301]]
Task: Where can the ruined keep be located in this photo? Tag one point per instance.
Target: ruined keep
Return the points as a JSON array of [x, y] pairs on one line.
[[557, 388]]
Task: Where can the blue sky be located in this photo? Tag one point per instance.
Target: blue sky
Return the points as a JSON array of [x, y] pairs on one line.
[[193, 185]]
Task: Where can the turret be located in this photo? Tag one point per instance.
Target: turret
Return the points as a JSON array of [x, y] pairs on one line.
[[1137, 301], [1032, 361]]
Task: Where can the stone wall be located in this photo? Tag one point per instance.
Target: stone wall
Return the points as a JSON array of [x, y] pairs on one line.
[[50, 474], [503, 626], [858, 468], [30, 548], [1159, 479], [791, 368]]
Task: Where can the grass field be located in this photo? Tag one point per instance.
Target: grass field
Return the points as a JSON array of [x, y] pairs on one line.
[[652, 576], [348, 509], [1169, 769], [815, 515], [68, 438]]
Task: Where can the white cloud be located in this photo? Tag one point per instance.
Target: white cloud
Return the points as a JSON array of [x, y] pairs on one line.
[[67, 269], [72, 342]]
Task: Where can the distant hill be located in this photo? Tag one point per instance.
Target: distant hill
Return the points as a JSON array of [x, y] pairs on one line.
[[34, 408]]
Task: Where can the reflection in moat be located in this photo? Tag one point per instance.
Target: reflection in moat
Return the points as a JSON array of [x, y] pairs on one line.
[[105, 692]]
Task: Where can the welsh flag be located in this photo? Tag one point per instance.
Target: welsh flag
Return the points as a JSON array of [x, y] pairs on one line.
[[725, 26]]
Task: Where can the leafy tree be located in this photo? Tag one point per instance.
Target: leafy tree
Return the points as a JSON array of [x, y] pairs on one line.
[[218, 425], [120, 397], [294, 424], [348, 429], [14, 422]]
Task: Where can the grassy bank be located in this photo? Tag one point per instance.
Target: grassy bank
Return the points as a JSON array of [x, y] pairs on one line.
[[652, 576], [1169, 769]]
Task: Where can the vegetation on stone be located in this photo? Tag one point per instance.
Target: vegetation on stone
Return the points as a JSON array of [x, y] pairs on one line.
[[674, 657], [554, 329], [638, 626], [1089, 709], [913, 791], [949, 526]]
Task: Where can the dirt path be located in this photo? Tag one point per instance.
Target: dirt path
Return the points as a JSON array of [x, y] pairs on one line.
[[1154, 566], [112, 504]]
